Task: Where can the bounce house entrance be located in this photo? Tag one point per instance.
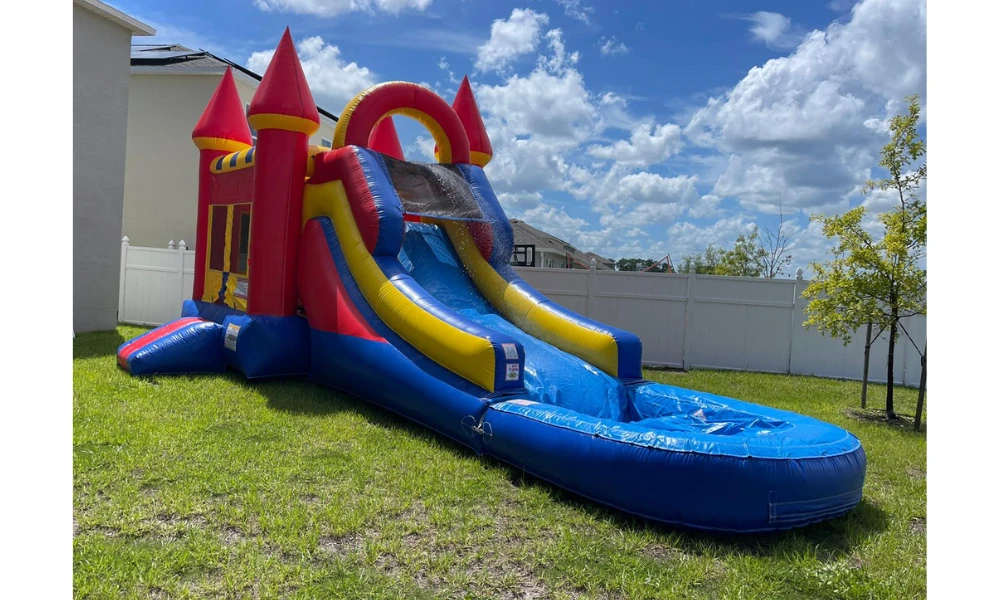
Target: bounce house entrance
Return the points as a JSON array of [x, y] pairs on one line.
[[226, 275]]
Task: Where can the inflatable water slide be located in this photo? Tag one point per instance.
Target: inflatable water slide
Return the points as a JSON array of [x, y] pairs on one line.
[[391, 280]]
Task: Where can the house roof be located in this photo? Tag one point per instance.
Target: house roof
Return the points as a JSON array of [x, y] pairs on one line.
[[525, 234], [174, 57], [116, 16]]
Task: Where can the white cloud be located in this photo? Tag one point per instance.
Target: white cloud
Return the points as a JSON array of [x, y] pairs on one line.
[[510, 38], [651, 187], [519, 201], [577, 10], [332, 8], [689, 238], [444, 66], [806, 127], [541, 104], [553, 220], [707, 206], [647, 145], [774, 29], [332, 80], [612, 47]]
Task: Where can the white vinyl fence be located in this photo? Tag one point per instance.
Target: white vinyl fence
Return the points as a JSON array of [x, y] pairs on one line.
[[154, 282], [686, 321], [717, 322]]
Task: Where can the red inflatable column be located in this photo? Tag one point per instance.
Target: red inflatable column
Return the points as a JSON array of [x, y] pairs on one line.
[[221, 129], [284, 114]]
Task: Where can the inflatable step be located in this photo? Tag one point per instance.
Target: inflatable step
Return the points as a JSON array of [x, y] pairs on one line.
[[187, 345]]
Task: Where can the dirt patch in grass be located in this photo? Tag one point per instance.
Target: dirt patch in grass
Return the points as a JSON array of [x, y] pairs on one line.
[[663, 553], [232, 535], [875, 415], [918, 525], [340, 545], [916, 473]]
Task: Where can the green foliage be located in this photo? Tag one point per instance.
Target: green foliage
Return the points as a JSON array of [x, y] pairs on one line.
[[756, 253], [641, 264], [746, 259], [877, 280], [705, 263]]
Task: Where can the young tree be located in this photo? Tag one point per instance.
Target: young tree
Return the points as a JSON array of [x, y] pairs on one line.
[[745, 259], [879, 281], [705, 263], [772, 247]]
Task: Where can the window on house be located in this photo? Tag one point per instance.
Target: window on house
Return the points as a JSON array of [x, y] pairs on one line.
[[216, 261], [524, 255], [253, 132], [241, 239], [325, 143]]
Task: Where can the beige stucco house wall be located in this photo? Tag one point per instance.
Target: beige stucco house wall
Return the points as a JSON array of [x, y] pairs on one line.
[[161, 169], [102, 37]]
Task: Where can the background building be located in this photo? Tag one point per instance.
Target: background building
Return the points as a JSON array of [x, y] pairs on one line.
[[536, 248], [102, 36], [169, 87]]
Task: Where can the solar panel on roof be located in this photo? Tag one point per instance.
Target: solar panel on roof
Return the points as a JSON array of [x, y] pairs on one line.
[[161, 55]]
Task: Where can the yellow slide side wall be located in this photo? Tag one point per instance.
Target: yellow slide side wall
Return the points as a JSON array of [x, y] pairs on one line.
[[468, 356], [595, 347]]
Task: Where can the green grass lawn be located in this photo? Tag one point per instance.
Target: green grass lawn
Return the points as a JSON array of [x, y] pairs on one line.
[[213, 487]]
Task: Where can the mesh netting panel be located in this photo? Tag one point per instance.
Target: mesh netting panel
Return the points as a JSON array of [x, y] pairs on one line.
[[433, 190]]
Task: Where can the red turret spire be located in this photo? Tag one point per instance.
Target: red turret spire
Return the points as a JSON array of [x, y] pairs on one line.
[[221, 129], [283, 100], [284, 114], [385, 140], [468, 112], [223, 126]]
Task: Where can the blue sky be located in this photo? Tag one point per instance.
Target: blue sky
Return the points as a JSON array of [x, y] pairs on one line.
[[627, 128]]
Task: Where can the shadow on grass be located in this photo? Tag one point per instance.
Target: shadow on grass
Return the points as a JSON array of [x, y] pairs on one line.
[[97, 343], [831, 539], [902, 422], [300, 396]]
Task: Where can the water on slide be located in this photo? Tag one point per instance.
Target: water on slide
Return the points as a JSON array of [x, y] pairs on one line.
[[555, 377]]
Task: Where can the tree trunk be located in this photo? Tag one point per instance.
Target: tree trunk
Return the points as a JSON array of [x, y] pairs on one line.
[[864, 377], [890, 412], [920, 392]]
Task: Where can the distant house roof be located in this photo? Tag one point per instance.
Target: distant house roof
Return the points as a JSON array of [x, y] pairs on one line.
[[174, 57], [116, 16], [525, 234]]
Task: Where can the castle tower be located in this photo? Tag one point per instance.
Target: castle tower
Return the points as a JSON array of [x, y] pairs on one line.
[[384, 139], [468, 112], [221, 129], [284, 114]]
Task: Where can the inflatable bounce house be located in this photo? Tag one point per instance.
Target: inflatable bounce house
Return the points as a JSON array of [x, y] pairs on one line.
[[390, 280]]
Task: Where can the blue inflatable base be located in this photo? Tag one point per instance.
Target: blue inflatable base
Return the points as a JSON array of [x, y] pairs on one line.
[[209, 337]]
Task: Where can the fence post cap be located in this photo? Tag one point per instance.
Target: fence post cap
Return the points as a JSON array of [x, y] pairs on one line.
[[183, 244], [171, 245], [692, 269], [125, 240], [798, 273], [593, 264]]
